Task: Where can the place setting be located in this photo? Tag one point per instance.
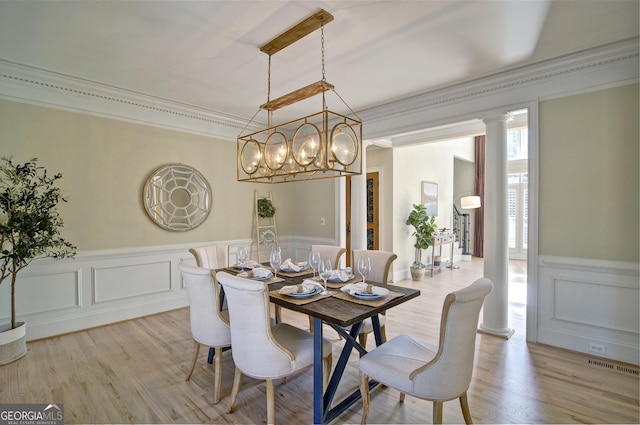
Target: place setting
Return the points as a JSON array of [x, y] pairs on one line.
[[291, 268], [361, 292], [307, 291]]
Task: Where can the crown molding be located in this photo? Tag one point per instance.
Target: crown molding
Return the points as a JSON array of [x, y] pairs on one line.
[[583, 71], [45, 88], [606, 66]]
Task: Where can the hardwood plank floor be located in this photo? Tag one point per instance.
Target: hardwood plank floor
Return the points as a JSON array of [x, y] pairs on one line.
[[134, 372]]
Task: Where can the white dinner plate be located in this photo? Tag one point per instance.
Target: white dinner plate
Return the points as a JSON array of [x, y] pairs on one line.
[[337, 279]]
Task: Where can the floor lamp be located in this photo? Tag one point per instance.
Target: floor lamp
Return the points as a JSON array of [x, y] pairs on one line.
[[466, 203]]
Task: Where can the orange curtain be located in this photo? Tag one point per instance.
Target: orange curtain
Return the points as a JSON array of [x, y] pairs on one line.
[[478, 233]]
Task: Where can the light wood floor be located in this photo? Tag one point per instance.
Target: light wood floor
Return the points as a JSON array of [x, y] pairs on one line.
[[133, 372]]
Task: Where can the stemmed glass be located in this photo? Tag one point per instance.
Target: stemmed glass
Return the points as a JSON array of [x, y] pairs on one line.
[[325, 273], [243, 255], [364, 267], [275, 259], [314, 261]]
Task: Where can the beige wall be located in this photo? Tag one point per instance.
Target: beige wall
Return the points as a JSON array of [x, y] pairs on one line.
[[589, 175], [431, 162], [105, 164]]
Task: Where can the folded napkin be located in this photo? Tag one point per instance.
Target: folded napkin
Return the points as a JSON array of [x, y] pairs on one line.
[[249, 264], [290, 265], [353, 288], [343, 275], [306, 286], [257, 273]]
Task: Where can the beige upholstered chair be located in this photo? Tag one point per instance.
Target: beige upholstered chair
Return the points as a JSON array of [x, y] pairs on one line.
[[211, 257], [329, 252], [262, 350], [380, 266], [438, 373], [209, 325]]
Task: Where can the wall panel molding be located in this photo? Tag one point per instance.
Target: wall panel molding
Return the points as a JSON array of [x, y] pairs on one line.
[[575, 296]]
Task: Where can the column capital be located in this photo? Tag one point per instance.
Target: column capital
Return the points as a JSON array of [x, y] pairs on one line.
[[505, 117]]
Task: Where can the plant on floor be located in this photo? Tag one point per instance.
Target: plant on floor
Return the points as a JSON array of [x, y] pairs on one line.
[[424, 228], [30, 222]]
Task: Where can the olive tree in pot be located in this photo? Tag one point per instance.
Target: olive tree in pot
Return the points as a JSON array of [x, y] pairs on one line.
[[30, 225], [424, 227]]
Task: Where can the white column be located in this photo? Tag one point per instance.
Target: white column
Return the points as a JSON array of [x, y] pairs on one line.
[[496, 228], [359, 205]]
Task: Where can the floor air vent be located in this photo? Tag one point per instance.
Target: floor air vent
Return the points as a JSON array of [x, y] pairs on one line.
[[632, 370]]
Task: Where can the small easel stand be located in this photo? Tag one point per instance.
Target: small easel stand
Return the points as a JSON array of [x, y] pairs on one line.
[[266, 232]]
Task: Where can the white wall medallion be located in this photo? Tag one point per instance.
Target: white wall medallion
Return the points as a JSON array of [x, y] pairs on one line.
[[177, 197]]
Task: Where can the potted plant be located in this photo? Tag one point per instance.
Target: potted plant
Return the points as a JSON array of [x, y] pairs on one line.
[[424, 228], [30, 226]]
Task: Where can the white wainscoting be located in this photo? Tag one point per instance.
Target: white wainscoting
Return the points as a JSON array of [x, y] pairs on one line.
[[102, 287], [590, 306]]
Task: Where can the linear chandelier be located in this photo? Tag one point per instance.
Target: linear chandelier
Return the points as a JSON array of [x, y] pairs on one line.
[[324, 144]]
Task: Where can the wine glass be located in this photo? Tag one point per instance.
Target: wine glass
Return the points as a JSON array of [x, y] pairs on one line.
[[325, 273], [243, 255], [314, 261], [275, 259], [364, 267]]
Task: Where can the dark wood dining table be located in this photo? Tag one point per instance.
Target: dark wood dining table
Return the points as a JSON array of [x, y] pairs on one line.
[[338, 314]]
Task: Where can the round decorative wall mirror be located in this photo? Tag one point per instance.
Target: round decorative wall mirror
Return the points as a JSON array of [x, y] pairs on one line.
[[177, 197]]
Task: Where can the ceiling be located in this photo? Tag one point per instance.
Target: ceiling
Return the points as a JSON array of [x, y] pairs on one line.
[[206, 54]]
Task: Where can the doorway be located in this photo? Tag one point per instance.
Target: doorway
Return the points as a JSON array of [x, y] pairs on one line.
[[373, 212]]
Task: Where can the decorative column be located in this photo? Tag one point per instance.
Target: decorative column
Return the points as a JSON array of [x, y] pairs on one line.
[[495, 319], [359, 205]]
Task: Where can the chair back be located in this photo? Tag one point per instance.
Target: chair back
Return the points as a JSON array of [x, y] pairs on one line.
[[380, 264], [208, 325], [211, 257], [255, 352], [329, 252], [449, 373]]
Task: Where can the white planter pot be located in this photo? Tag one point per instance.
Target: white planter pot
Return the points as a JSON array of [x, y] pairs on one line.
[[417, 274], [13, 343]]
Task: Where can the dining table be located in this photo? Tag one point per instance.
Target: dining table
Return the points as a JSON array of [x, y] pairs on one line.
[[344, 314]]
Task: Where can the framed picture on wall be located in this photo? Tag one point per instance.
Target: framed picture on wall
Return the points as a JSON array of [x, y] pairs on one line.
[[430, 197]]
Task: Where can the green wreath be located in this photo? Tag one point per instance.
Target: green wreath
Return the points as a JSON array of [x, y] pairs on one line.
[[265, 208]]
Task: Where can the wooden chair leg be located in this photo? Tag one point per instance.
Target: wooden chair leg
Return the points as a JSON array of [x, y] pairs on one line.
[[271, 403], [402, 397], [437, 412], [217, 378], [383, 333], [326, 368], [195, 359], [237, 377], [362, 339], [364, 392], [278, 314], [310, 324], [464, 404]]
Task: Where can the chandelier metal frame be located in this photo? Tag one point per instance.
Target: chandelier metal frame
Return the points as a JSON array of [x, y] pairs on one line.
[[322, 145]]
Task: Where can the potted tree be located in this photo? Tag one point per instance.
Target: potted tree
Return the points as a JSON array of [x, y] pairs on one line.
[[30, 225], [424, 227]]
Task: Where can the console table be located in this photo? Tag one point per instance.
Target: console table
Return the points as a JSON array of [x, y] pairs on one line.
[[438, 241]]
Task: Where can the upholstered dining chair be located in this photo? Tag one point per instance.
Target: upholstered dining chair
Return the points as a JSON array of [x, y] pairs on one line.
[[212, 256], [209, 325], [380, 266], [330, 252], [438, 373], [262, 350]]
